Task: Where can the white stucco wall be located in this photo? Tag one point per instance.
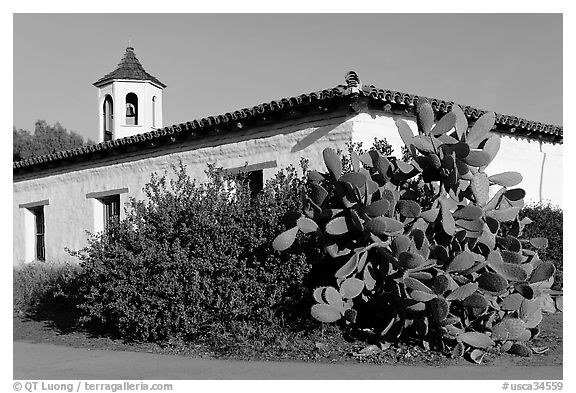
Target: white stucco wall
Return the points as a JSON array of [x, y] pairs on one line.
[[368, 126], [69, 213], [540, 163]]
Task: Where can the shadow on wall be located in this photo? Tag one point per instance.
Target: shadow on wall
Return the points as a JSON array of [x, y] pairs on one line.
[[317, 134]]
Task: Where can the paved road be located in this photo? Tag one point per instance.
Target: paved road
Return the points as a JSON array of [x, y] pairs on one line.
[[47, 361]]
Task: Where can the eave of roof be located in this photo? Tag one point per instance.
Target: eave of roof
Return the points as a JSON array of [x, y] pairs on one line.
[[352, 91]]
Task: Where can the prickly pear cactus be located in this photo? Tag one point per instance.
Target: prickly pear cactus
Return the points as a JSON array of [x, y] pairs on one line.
[[446, 275]]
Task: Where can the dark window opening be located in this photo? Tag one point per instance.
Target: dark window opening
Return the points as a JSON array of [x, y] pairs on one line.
[[131, 109], [39, 232], [111, 209], [254, 180], [154, 111], [108, 118]]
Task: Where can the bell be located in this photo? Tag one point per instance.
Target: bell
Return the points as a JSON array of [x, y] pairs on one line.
[[130, 110]]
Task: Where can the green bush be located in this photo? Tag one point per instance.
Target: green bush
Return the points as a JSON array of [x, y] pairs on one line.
[[41, 284], [547, 221], [195, 260]]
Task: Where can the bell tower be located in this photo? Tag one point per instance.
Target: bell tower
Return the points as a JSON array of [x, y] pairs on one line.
[[129, 100]]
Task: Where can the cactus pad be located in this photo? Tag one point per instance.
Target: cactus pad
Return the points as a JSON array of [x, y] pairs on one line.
[[510, 272], [384, 225], [325, 313], [351, 288], [492, 146], [445, 124], [409, 208], [331, 296], [350, 315], [430, 215], [520, 349], [421, 296], [337, 226], [408, 260], [515, 194], [349, 267], [438, 309], [511, 257], [315, 176], [542, 272], [480, 187], [481, 128], [504, 215], [512, 302], [405, 132], [510, 243], [461, 123], [476, 339], [463, 292], [539, 242], [461, 262], [425, 144], [477, 158], [506, 179], [440, 284], [400, 244], [318, 294], [306, 225], [417, 285], [492, 282], [284, 240], [378, 208], [476, 300], [469, 212], [333, 162], [317, 193], [448, 223], [425, 115]]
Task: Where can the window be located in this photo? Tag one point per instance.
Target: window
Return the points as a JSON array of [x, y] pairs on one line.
[[111, 209], [254, 180], [154, 111], [34, 230], [106, 207], [39, 245], [252, 175], [131, 109], [108, 113]]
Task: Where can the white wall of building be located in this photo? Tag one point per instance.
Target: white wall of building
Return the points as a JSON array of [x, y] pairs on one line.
[[540, 163], [69, 213]]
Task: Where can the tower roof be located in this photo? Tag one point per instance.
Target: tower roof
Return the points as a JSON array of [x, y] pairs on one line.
[[128, 68]]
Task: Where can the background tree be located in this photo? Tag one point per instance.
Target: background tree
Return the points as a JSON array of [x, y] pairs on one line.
[[46, 139]]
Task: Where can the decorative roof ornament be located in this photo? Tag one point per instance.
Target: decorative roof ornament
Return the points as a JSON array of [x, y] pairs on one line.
[[353, 82], [128, 68]]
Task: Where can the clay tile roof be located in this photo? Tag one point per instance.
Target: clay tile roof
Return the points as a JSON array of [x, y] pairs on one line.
[[353, 89], [129, 68]]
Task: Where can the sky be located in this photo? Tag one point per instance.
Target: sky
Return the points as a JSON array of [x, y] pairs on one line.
[[217, 63]]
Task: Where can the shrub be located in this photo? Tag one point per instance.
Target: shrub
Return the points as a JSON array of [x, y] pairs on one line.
[[547, 221], [454, 275], [42, 284], [194, 260]]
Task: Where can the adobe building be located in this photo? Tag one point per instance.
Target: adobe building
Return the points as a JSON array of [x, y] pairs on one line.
[[60, 196]]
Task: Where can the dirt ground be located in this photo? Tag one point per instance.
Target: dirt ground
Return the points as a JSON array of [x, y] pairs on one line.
[[331, 349]]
